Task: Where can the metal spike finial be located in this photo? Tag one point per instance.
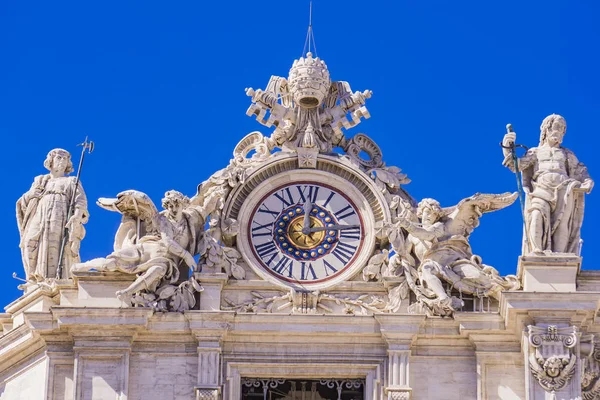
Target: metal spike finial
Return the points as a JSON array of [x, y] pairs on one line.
[[89, 146], [310, 36]]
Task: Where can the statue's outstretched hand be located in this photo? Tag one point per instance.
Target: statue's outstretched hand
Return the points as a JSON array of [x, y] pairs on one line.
[[587, 186]]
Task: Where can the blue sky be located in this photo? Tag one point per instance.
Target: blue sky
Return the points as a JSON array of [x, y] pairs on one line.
[[159, 86]]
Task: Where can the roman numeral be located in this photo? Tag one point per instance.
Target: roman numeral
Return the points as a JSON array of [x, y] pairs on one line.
[[344, 252], [262, 230], [331, 267], [270, 260], [264, 209], [264, 249], [285, 196], [283, 265], [306, 269], [345, 212], [350, 234], [328, 199], [312, 193]]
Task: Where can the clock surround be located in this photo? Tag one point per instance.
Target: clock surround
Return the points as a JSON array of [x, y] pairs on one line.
[[327, 278]]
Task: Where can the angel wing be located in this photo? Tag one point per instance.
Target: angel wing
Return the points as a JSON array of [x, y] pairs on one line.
[[539, 373], [138, 212], [464, 217], [209, 198], [592, 393], [567, 373]]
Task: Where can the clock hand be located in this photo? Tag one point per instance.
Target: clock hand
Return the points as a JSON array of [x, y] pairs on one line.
[[307, 210], [331, 228]]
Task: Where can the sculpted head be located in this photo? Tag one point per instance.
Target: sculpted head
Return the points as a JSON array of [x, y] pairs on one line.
[[553, 366], [553, 130], [59, 161], [429, 211], [175, 202]]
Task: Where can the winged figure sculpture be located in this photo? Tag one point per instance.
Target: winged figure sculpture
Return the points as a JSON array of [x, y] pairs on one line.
[[554, 372], [436, 249]]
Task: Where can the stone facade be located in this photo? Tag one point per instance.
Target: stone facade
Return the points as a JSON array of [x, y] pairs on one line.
[[314, 274], [53, 348]]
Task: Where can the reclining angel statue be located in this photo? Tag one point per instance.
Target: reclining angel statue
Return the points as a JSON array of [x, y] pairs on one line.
[[154, 245], [437, 249]]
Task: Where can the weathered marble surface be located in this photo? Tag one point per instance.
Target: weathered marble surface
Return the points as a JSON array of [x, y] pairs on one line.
[[56, 352], [393, 318], [43, 215], [431, 246], [555, 183], [307, 109], [153, 246]]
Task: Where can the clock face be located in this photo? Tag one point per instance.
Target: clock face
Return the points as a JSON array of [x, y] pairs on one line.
[[305, 232]]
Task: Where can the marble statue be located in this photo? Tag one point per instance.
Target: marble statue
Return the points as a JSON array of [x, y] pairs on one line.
[[149, 243], [43, 219], [555, 183], [436, 249], [307, 109]]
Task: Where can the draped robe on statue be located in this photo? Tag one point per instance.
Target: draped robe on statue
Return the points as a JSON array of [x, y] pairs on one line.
[[554, 193], [42, 214]]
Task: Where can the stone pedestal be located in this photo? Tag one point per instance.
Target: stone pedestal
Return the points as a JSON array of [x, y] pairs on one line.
[[210, 298], [549, 273], [96, 289]]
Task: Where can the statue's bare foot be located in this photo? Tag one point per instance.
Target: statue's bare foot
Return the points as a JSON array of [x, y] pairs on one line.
[[81, 267], [95, 264], [124, 296]]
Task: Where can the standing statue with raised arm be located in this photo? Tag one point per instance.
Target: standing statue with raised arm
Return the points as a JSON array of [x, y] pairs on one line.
[[555, 183], [43, 215]]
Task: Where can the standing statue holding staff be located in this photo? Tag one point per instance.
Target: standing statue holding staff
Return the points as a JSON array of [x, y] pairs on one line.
[[50, 217], [554, 182]]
